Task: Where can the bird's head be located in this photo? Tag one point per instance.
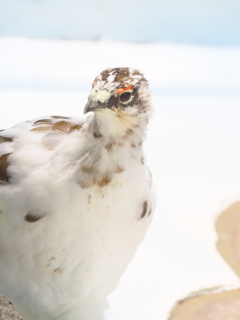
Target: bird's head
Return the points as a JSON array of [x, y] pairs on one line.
[[121, 92]]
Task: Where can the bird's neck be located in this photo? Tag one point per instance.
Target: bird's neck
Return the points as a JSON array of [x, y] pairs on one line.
[[118, 128], [111, 145]]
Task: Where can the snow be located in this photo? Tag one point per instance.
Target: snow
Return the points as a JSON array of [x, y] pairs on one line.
[[192, 150]]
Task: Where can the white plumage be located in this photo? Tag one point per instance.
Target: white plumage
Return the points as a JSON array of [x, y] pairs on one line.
[[75, 201]]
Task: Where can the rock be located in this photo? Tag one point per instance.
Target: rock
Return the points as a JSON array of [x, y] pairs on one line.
[[7, 311]]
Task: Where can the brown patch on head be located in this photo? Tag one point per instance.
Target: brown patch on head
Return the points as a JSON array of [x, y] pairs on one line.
[[121, 74], [59, 117], [144, 209], [136, 73], [105, 74], [32, 217], [5, 139], [3, 167]]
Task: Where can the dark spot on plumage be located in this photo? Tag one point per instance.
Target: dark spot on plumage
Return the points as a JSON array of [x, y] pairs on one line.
[[118, 169], [97, 135], [75, 127], [43, 121], [63, 126], [32, 217], [57, 271], [86, 169], [142, 161], [140, 143], [133, 145], [59, 117], [89, 198], [128, 133], [5, 139], [150, 211], [52, 259], [136, 125], [108, 146], [106, 179], [4, 163], [120, 144], [144, 209]]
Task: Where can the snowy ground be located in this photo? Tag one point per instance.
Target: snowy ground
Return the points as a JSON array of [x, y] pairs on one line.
[[192, 150]]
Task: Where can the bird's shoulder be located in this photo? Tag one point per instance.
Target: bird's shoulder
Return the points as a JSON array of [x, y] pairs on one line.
[[34, 138]]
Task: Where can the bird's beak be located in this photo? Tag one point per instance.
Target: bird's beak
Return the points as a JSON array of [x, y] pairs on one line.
[[97, 100], [88, 107], [94, 105]]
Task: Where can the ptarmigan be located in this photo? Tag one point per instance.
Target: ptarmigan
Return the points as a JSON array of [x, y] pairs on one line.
[[76, 200]]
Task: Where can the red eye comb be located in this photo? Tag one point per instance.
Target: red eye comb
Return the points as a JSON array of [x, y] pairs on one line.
[[120, 90]]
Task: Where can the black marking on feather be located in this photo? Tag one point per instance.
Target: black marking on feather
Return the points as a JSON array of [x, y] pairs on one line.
[[59, 117], [5, 139], [31, 217], [144, 209], [43, 121], [3, 167]]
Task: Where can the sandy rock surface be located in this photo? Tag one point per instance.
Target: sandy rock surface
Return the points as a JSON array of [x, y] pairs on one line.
[[7, 311], [217, 303]]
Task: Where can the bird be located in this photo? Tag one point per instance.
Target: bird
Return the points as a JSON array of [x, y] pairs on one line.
[[76, 200]]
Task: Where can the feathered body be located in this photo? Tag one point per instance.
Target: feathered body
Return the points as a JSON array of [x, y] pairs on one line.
[[75, 201]]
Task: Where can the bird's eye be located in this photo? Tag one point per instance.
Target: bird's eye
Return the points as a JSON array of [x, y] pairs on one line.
[[125, 97]]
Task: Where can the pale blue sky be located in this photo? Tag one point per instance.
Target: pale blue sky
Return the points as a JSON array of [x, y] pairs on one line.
[[205, 22]]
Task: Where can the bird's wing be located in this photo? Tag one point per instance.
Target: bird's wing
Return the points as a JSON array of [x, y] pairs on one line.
[[32, 139]]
